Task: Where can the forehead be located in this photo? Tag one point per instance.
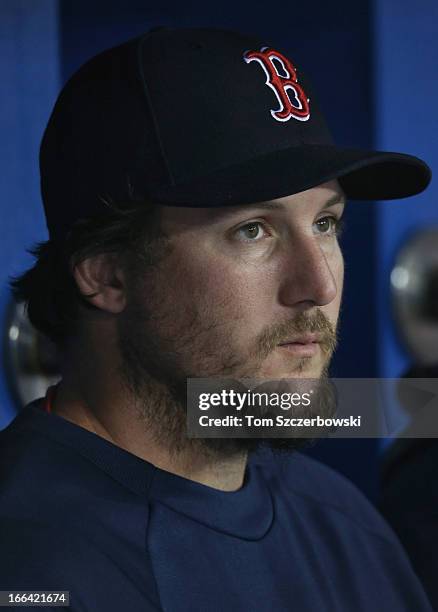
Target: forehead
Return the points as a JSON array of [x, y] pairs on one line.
[[311, 200]]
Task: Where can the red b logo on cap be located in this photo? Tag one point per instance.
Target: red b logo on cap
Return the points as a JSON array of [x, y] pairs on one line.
[[298, 107]]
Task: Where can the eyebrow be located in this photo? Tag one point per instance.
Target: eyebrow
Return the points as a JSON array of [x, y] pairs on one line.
[[270, 205], [336, 199]]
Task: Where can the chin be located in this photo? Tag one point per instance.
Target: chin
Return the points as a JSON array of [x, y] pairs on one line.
[[302, 368]]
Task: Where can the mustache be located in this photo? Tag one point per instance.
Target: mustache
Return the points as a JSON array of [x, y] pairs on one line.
[[302, 323]]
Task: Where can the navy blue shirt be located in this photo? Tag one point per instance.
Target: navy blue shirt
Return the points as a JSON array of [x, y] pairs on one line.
[[78, 513]]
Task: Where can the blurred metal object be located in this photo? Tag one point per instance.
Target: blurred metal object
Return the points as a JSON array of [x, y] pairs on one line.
[[414, 289], [31, 359]]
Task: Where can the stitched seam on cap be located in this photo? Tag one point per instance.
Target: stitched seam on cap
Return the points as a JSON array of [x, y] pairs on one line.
[[149, 102]]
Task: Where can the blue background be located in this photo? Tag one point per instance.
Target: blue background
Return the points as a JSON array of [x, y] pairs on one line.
[[373, 64]]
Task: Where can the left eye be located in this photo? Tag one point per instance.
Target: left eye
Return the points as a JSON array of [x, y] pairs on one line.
[[251, 231], [328, 225]]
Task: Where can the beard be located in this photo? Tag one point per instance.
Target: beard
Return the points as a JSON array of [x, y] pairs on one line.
[[156, 362]]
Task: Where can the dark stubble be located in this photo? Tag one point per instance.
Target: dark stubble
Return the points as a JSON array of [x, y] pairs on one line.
[[154, 368]]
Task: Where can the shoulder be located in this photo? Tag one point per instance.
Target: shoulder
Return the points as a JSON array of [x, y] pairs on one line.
[[52, 472], [324, 491], [42, 556], [36, 556]]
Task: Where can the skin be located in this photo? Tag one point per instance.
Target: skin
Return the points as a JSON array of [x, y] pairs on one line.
[[235, 283]]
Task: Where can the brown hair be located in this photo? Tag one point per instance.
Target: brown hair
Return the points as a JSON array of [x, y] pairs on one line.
[[49, 290]]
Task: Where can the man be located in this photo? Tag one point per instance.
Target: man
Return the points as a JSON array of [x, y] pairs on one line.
[[194, 199]]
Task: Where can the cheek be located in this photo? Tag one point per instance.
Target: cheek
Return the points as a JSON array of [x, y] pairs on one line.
[[218, 289]]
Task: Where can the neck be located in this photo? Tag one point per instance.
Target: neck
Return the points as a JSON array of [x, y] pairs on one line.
[[104, 410]]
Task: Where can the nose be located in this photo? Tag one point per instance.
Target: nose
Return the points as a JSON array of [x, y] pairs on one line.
[[310, 274]]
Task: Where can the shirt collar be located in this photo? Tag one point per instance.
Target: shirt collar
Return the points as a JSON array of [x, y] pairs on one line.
[[246, 513]]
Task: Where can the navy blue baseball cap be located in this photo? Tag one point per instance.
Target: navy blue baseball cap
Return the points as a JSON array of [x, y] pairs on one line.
[[199, 118]]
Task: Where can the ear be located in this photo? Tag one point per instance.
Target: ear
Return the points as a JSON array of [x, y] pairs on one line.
[[100, 280]]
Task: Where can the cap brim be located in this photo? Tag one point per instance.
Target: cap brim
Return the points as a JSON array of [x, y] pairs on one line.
[[363, 175]]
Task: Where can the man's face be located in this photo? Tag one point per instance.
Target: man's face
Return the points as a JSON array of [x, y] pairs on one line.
[[239, 282]]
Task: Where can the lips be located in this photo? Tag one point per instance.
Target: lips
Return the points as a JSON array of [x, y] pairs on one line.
[[304, 339]]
